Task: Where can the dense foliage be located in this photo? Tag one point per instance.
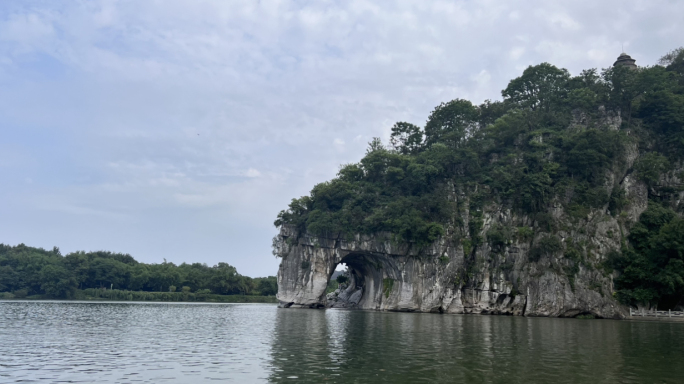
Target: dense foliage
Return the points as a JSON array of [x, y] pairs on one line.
[[551, 140], [33, 271], [653, 268]]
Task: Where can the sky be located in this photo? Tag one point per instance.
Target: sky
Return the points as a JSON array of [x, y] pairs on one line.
[[178, 130]]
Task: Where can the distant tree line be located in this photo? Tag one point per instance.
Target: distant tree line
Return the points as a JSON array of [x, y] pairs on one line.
[[27, 270]]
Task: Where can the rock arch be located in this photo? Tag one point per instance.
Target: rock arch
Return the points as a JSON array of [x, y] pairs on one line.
[[368, 280], [385, 276]]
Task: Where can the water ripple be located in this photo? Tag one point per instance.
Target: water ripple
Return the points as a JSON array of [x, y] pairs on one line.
[[55, 342]]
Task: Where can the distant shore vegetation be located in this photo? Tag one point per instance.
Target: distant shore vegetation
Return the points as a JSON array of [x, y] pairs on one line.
[[28, 272]]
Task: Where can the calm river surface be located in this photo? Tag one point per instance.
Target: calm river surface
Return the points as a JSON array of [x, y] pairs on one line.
[[110, 342]]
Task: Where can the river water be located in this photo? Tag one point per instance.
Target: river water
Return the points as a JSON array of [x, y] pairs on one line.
[[109, 342]]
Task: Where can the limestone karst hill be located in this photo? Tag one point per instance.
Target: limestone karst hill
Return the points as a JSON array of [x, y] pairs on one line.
[[562, 199]]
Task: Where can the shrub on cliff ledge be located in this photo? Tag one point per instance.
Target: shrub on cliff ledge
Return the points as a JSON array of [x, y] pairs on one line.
[[547, 246]]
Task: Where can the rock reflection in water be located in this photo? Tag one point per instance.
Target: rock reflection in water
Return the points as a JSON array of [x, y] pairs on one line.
[[357, 346]]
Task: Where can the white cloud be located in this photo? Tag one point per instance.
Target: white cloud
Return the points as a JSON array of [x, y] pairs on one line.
[[339, 145], [482, 78], [516, 52], [560, 19], [252, 173], [29, 28]]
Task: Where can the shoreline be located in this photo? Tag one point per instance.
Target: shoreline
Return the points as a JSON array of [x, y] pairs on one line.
[[105, 301], [657, 319], [626, 318], [148, 297]]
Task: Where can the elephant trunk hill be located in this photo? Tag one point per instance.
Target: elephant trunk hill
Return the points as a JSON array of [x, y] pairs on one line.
[[564, 199]]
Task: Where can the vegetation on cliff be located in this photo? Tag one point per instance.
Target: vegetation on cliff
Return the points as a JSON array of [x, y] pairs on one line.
[[652, 268], [552, 141], [35, 271]]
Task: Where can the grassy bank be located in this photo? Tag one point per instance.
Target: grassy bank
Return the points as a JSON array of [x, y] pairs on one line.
[[122, 295]]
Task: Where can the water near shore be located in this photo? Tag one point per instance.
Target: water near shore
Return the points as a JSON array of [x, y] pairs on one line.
[[200, 343]]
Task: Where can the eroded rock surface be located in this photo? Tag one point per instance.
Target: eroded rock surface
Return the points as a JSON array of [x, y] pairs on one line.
[[441, 278]]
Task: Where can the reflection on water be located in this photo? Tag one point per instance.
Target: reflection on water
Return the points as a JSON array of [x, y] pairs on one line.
[[347, 346], [183, 343]]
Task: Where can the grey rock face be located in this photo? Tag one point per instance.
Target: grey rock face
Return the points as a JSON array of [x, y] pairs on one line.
[[441, 278]]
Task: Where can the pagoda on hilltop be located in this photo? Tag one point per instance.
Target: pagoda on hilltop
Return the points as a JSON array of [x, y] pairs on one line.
[[625, 60]]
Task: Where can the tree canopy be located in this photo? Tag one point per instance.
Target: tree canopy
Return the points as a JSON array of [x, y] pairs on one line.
[[31, 271]]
